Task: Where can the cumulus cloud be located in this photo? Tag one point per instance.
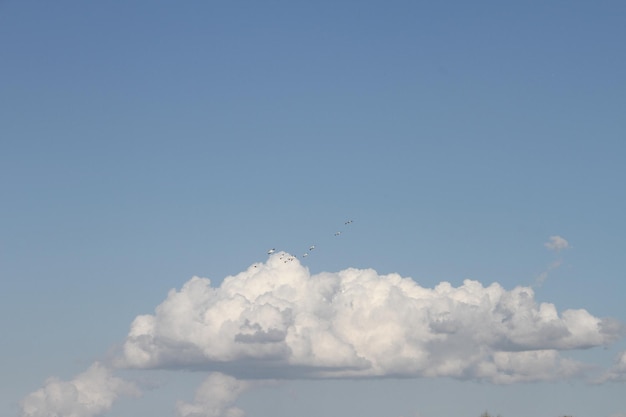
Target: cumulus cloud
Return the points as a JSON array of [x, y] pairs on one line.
[[90, 393], [214, 398], [557, 243], [276, 320]]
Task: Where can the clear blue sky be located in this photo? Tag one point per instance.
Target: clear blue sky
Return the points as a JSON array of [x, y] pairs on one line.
[[142, 144]]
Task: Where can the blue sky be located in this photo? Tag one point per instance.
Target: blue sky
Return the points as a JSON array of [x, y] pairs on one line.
[[142, 144]]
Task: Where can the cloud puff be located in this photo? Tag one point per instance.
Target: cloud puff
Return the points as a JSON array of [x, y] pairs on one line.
[[88, 394], [276, 320], [214, 398], [556, 243]]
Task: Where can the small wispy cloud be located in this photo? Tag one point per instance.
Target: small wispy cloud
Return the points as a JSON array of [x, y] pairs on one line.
[[544, 275], [617, 373], [557, 243]]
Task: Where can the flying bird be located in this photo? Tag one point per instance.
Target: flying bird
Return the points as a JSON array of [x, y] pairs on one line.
[[269, 252], [337, 233], [312, 247]]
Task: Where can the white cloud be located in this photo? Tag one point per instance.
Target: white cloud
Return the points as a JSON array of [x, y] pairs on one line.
[[214, 398], [557, 243], [275, 320], [88, 394]]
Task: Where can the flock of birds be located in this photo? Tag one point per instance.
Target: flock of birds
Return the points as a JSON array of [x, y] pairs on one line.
[[288, 258]]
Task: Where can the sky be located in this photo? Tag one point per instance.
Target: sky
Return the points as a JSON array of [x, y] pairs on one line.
[[453, 172]]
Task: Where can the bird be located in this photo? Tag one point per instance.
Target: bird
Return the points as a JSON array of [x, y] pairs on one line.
[[269, 252]]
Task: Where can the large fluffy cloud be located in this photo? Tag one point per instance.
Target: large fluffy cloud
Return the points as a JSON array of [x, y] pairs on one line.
[[88, 394], [276, 320]]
